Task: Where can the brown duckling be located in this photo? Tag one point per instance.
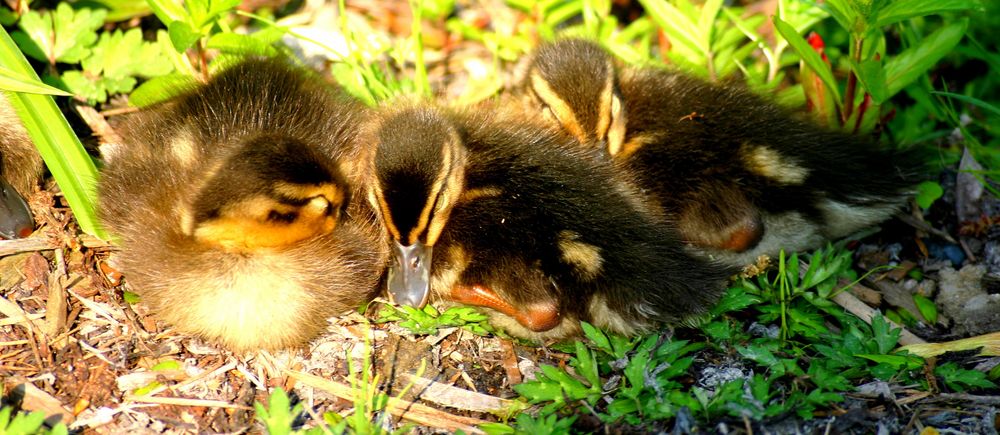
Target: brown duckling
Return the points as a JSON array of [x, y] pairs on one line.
[[236, 208], [739, 175], [20, 169], [489, 209]]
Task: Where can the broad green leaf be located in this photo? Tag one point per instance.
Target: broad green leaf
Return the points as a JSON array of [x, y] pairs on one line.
[[927, 193], [168, 11], [900, 10], [11, 81], [707, 22], [911, 64], [926, 308], [673, 22], [182, 36], [118, 10], [235, 43], [63, 35], [160, 89], [872, 77], [62, 151], [809, 56]]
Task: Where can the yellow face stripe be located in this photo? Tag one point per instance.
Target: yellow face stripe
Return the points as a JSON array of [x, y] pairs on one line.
[[453, 189], [604, 105], [563, 113], [377, 199], [447, 154]]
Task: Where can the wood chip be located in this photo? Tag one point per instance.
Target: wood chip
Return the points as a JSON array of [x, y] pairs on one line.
[[33, 244], [34, 399], [415, 412], [510, 363], [182, 401], [460, 398]]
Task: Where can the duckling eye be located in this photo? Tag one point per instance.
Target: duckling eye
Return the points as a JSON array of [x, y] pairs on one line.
[[277, 216]]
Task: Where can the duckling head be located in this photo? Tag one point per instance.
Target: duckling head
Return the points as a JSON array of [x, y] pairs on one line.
[[418, 174], [271, 192], [574, 82]]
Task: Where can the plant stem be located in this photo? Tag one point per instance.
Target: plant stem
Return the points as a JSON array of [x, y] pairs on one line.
[[852, 81]]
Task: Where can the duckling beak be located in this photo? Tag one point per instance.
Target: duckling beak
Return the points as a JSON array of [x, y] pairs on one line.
[[409, 275], [15, 216]]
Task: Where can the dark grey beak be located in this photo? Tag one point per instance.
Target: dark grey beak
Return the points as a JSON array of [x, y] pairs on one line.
[[409, 275], [15, 216]]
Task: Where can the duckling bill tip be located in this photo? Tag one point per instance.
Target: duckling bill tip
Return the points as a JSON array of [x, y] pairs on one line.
[[409, 274]]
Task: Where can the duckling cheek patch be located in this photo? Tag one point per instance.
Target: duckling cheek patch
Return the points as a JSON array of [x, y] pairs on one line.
[[262, 223], [768, 163], [585, 258]]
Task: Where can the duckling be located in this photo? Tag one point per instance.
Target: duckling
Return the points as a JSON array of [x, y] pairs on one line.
[[739, 175], [489, 209], [233, 205], [20, 169]]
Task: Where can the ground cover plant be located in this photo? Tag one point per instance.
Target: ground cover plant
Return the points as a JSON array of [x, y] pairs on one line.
[[803, 344]]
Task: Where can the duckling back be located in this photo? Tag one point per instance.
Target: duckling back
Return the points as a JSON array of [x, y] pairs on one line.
[[233, 205]]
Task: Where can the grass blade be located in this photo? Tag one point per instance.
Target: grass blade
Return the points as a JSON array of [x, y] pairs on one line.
[[909, 65], [62, 151]]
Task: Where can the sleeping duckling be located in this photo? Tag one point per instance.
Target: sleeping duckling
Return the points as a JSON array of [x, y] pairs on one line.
[[20, 169], [233, 204], [740, 175], [488, 209]]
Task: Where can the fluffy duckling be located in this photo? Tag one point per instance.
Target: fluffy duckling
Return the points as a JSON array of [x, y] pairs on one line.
[[233, 205], [515, 224], [20, 169], [739, 175]]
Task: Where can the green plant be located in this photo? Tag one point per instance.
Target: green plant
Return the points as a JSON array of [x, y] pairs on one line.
[[874, 75], [428, 320], [26, 424]]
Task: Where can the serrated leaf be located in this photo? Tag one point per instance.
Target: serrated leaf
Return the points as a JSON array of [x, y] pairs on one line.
[[898, 11], [911, 64], [540, 391], [63, 35]]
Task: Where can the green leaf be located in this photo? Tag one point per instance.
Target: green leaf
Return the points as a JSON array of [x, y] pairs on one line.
[[926, 307], [182, 36], [168, 11], [809, 56], [11, 81], [117, 59], [235, 43], [960, 379], [927, 193], [60, 36], [673, 22], [900, 10], [914, 62], [62, 151], [160, 89], [872, 77], [971, 100]]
